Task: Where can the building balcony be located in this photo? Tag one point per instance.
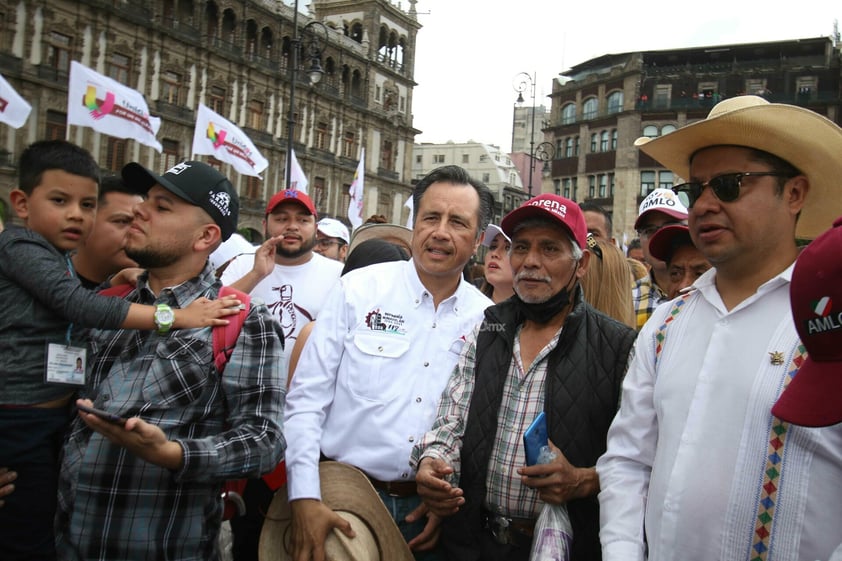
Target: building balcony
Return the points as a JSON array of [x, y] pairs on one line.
[[172, 110], [10, 65], [260, 136], [388, 174], [52, 74]]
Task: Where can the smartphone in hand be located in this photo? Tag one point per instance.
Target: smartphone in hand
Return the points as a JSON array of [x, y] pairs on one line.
[[535, 438], [105, 415]]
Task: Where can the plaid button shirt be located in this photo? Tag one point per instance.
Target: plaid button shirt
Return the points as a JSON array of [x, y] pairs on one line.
[[646, 296], [523, 399], [114, 505]]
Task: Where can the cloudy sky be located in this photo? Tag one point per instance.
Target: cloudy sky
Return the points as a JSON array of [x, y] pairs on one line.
[[469, 51]]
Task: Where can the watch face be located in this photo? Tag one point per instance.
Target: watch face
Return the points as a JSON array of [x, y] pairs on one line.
[[164, 317]]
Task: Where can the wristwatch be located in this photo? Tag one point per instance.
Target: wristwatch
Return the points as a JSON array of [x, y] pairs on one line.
[[164, 317]]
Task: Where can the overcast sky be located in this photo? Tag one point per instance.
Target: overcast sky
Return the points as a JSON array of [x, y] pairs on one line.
[[469, 51]]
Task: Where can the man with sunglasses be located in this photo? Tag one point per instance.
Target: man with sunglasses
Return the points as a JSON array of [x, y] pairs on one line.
[[660, 208], [697, 467]]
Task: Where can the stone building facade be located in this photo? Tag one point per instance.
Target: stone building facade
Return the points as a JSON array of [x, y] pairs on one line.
[[235, 57], [601, 106]]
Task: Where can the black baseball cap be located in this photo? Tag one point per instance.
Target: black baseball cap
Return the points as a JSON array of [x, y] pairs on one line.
[[197, 183]]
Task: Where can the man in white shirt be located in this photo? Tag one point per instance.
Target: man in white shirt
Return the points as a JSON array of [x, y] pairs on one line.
[[294, 282], [370, 378], [697, 467], [286, 273]]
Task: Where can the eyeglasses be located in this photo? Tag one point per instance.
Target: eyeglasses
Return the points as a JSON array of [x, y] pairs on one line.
[[649, 231], [325, 243], [726, 187]]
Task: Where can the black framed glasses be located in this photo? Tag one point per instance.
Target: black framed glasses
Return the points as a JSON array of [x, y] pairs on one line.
[[726, 187], [325, 243]]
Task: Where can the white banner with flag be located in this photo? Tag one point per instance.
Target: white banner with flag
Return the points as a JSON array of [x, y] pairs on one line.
[[298, 181], [109, 107], [217, 136], [14, 110], [355, 208]]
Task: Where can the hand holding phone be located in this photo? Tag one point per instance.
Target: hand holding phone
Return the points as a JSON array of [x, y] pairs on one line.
[[104, 415], [534, 438]]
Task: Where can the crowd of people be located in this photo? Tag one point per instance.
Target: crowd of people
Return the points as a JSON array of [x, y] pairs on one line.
[[376, 398]]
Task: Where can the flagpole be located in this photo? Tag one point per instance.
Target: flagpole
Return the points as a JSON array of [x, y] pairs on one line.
[[291, 113]]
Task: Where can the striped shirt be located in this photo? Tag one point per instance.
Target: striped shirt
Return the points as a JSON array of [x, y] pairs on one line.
[[114, 505], [523, 399]]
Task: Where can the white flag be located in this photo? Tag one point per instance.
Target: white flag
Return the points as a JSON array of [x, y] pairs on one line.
[[298, 181], [14, 110], [109, 107], [410, 204], [222, 139], [355, 208]]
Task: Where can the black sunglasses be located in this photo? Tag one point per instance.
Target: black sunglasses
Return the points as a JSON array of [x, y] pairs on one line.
[[726, 187]]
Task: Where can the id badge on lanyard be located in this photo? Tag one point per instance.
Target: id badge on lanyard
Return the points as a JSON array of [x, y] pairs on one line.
[[66, 363]]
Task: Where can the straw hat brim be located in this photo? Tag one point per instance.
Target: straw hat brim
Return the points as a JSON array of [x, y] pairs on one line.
[[807, 140], [346, 490], [394, 233]]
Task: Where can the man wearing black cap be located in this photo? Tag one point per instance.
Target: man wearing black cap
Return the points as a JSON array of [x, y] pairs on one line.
[[147, 486]]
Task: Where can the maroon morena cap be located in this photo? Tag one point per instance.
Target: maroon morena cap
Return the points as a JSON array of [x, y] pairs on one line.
[[565, 211], [814, 397]]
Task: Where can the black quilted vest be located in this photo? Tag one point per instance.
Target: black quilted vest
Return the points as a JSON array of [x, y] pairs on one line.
[[584, 375]]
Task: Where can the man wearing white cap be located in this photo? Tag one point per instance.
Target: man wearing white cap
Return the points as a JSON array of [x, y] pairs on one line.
[[332, 239], [660, 208], [697, 466]]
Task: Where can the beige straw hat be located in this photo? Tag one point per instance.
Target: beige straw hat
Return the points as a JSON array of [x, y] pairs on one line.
[[805, 139], [395, 233], [347, 491]]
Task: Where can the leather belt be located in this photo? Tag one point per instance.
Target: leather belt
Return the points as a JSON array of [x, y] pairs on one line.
[[399, 489], [508, 530]]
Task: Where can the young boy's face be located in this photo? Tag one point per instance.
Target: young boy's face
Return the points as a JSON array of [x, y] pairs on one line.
[[62, 208]]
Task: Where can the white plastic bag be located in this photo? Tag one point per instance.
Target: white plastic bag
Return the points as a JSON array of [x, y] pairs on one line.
[[553, 536]]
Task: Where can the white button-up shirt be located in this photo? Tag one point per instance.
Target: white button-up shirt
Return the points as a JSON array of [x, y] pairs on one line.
[[369, 379], [689, 447]]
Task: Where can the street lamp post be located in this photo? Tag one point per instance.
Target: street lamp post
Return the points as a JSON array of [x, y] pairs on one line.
[[544, 151], [315, 46]]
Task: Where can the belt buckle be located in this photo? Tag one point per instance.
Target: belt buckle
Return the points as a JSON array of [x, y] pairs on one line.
[[500, 529], [390, 492]]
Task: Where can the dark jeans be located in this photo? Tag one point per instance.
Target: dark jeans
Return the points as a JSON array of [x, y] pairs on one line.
[[246, 529], [30, 444], [399, 507]]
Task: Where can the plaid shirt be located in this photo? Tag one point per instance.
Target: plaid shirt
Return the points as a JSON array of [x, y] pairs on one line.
[[114, 505], [646, 296], [523, 399]]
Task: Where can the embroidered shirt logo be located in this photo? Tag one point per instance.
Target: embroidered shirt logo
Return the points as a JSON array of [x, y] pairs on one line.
[[385, 321]]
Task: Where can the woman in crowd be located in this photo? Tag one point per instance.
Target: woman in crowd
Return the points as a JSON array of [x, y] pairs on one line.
[[607, 283], [499, 283]]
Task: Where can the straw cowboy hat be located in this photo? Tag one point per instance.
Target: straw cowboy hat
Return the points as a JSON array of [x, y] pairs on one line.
[[805, 139], [346, 490], [394, 233]]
